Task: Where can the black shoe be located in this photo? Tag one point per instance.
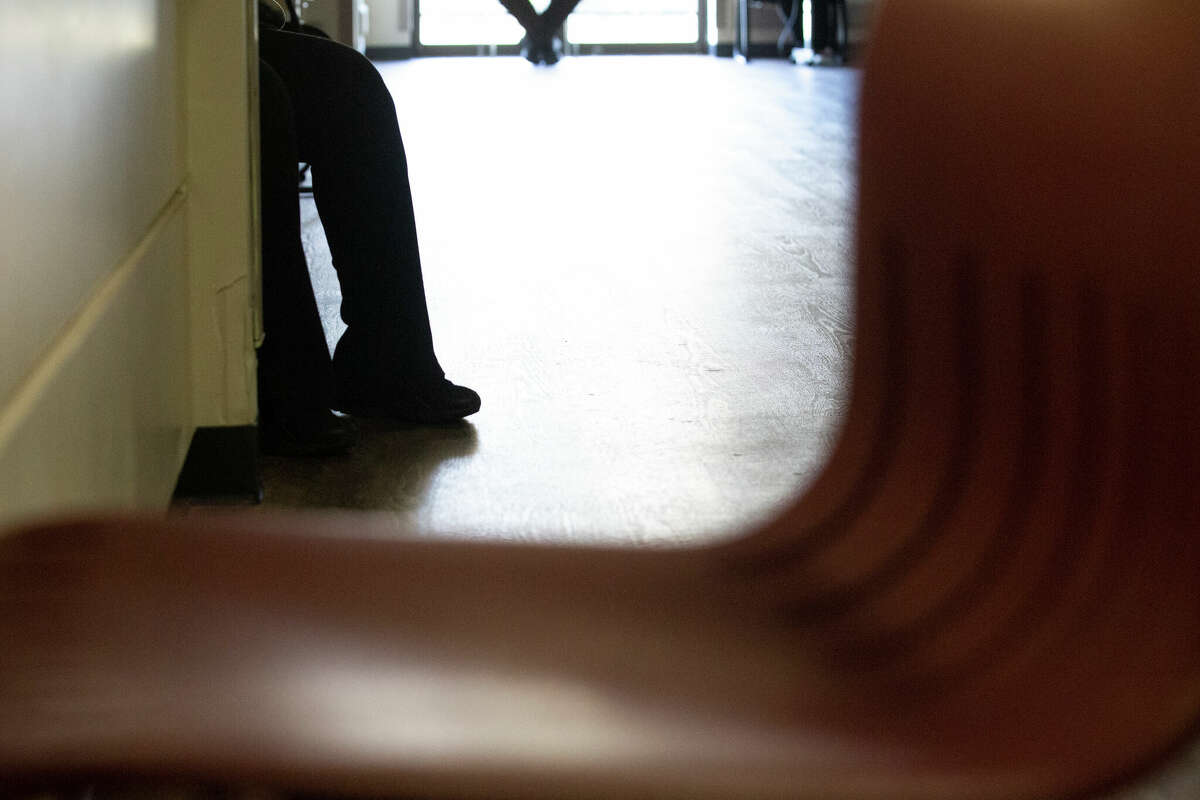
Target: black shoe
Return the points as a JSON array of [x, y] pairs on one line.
[[551, 50], [530, 50], [309, 432], [438, 403]]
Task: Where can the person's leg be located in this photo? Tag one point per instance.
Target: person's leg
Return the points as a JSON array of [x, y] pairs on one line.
[[524, 13], [541, 43], [295, 379], [347, 130], [556, 14], [535, 45], [821, 40]]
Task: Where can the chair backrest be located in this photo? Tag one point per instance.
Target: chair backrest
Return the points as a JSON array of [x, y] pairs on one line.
[[1010, 523]]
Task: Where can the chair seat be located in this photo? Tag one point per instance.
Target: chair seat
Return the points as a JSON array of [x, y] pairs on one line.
[[315, 655]]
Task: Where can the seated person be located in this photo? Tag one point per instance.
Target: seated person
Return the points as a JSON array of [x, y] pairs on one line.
[[539, 45], [325, 104]]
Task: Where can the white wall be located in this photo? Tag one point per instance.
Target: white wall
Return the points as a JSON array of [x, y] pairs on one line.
[[391, 23], [91, 154], [127, 276], [221, 121], [345, 21]]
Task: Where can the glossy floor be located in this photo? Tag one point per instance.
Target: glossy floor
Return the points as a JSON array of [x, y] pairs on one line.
[[643, 266]]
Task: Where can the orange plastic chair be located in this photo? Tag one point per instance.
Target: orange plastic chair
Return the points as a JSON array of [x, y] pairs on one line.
[[992, 591]]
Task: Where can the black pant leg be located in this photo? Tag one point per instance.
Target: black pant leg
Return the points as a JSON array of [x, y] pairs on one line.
[[347, 130], [523, 11], [294, 370], [557, 12], [824, 26]]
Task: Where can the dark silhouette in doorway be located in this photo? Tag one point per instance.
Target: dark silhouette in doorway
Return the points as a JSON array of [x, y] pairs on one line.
[[541, 45]]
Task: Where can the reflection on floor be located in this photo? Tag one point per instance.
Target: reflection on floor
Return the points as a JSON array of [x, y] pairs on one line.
[[643, 265]]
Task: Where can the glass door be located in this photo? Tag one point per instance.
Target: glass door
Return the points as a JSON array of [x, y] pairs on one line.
[[461, 27], [636, 25], [468, 24]]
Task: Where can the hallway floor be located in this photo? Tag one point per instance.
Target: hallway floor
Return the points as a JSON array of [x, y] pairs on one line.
[[643, 266]]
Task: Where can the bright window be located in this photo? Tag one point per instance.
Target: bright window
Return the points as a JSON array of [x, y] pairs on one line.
[[485, 22], [634, 22], [469, 22]]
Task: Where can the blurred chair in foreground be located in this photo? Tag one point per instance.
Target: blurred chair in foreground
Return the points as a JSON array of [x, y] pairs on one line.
[[990, 592]]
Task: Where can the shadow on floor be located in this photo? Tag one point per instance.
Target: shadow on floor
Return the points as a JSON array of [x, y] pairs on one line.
[[391, 468]]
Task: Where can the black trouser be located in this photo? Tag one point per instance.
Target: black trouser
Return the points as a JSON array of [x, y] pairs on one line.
[[828, 17], [551, 19], [325, 104]]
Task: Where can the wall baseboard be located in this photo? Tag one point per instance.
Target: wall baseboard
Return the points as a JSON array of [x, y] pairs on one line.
[[389, 52], [221, 467]]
